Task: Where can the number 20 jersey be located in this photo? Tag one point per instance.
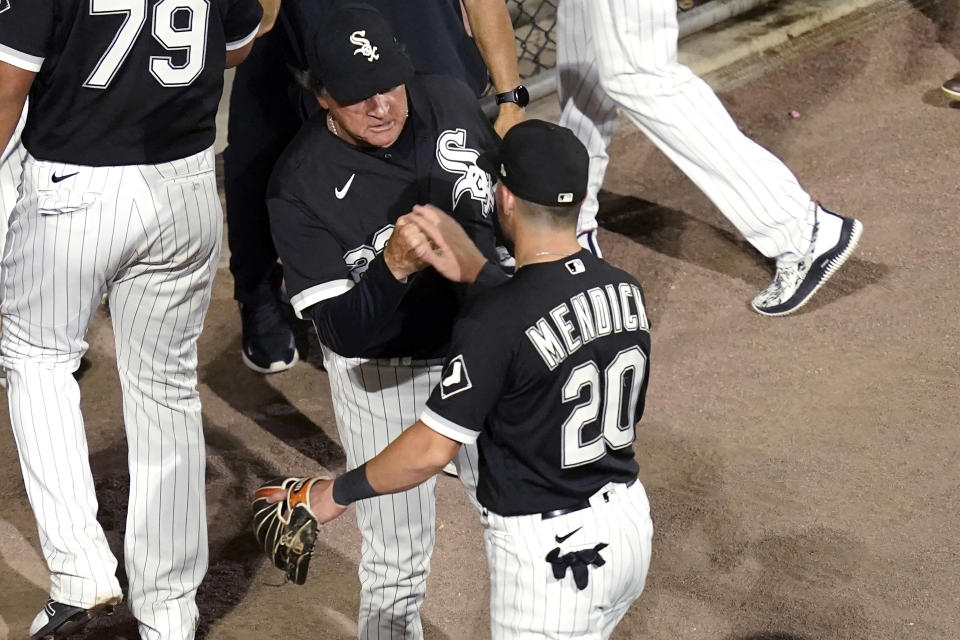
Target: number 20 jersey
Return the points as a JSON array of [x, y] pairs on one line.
[[548, 373], [122, 82]]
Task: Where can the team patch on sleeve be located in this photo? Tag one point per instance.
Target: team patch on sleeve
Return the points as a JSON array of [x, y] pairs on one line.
[[455, 378]]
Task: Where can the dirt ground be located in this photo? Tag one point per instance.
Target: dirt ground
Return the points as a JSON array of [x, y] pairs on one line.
[[804, 472]]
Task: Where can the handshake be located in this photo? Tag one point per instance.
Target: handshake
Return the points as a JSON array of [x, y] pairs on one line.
[[428, 237]]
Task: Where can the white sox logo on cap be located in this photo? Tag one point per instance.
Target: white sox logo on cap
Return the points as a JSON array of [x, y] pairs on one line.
[[364, 47]]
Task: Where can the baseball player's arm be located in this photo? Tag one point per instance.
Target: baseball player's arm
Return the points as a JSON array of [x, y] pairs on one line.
[[417, 455], [470, 386], [350, 316], [236, 56], [15, 85], [270, 10], [493, 33], [242, 26], [450, 250], [352, 322]]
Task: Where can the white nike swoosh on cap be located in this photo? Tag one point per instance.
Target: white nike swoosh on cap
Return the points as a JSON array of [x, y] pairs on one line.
[[342, 192]]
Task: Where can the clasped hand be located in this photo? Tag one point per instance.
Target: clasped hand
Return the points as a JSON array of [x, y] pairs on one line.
[[429, 237]]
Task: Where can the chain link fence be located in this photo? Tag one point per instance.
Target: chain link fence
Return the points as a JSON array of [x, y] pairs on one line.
[[533, 22]]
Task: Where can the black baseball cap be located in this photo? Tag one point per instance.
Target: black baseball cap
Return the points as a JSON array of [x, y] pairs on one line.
[[544, 163], [355, 53]]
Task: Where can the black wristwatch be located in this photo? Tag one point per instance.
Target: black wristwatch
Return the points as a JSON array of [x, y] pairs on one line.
[[520, 96]]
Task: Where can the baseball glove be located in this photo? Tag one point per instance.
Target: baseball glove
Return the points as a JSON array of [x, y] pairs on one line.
[[287, 530]]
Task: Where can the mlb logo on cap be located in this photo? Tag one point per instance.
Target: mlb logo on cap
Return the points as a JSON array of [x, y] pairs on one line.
[[564, 198]]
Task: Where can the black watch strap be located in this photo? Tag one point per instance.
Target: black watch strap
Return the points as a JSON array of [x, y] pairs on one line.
[[519, 96]]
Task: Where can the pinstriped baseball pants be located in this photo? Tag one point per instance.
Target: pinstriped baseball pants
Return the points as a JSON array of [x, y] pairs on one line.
[[622, 54], [11, 169], [149, 237], [374, 401], [527, 600]]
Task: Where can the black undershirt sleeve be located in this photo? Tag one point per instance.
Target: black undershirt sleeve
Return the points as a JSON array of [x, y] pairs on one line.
[[350, 322], [490, 276]]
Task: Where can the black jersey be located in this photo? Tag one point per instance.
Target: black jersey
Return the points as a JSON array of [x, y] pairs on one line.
[[550, 372], [123, 82], [333, 207]]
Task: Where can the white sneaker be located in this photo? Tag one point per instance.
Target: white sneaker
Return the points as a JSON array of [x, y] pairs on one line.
[[795, 282]]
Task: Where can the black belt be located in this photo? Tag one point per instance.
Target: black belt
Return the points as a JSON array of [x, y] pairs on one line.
[[546, 515]]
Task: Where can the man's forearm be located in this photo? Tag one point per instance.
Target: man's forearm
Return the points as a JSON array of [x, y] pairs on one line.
[[350, 323], [493, 33], [418, 454]]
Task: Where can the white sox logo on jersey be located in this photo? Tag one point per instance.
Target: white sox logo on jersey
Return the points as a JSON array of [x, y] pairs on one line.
[[358, 260], [4, 5], [456, 157], [365, 48], [455, 378]]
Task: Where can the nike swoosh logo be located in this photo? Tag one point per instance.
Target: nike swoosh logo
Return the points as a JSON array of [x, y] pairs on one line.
[[55, 179], [342, 191], [454, 376], [560, 539]]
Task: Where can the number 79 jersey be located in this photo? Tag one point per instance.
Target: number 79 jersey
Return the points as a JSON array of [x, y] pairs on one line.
[[122, 82], [548, 373]]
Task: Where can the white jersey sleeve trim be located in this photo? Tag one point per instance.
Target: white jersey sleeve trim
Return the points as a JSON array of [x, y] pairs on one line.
[[239, 44], [319, 293], [20, 59], [447, 428]]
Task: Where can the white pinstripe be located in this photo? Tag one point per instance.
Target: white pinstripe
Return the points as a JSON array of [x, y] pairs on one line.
[[374, 401], [528, 602], [622, 54], [149, 236], [11, 170]]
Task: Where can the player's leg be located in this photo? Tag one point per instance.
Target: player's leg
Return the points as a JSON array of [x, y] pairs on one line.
[[11, 171], [373, 402], [685, 119], [263, 120], [629, 522], [586, 109], [52, 280], [158, 304], [637, 61]]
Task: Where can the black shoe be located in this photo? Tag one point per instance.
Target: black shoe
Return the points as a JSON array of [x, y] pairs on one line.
[[268, 345], [952, 87], [57, 620]]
